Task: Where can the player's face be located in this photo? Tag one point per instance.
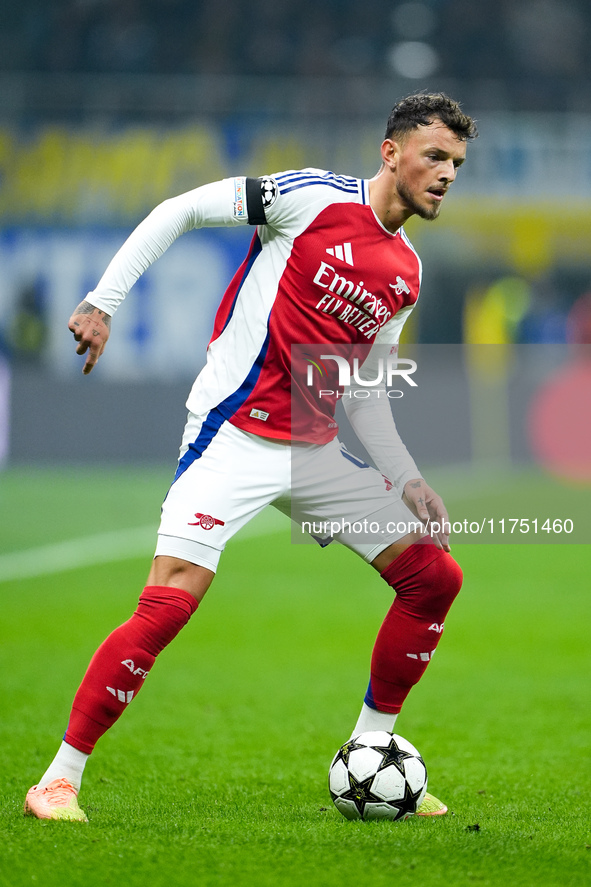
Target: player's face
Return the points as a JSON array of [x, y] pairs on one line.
[[427, 163]]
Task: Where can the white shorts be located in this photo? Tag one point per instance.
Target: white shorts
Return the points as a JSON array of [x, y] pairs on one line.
[[227, 476]]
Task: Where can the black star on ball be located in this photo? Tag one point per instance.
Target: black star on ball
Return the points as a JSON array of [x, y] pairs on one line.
[[359, 792], [393, 755]]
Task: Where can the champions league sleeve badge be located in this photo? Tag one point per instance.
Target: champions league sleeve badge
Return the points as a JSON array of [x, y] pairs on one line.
[[269, 191]]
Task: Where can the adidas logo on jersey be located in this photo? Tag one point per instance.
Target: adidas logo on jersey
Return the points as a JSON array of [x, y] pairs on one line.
[[259, 414], [342, 251]]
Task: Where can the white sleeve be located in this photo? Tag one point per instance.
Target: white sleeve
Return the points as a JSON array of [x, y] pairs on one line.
[[210, 205], [371, 418]]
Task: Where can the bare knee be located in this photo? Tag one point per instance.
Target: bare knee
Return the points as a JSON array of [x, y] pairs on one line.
[[176, 573]]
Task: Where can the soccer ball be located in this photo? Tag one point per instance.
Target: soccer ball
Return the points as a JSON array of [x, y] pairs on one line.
[[377, 775]]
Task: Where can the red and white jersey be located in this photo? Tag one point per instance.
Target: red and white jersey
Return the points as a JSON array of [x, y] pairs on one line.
[[321, 269]]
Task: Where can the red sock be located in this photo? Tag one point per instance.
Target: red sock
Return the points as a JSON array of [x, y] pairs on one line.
[[426, 581], [118, 668]]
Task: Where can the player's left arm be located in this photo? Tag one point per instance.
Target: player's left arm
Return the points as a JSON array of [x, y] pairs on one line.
[[429, 508], [373, 423]]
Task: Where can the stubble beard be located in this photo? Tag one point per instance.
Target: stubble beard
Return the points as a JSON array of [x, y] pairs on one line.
[[424, 212]]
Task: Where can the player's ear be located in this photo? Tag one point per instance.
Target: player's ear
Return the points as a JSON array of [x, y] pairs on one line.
[[390, 151]]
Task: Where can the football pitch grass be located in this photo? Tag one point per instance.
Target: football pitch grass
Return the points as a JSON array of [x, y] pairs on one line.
[[217, 774]]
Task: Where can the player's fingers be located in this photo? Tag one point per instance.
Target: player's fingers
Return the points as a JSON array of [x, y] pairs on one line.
[[93, 356], [437, 509], [439, 523], [82, 332], [95, 349], [435, 536], [444, 541], [443, 536], [443, 523], [419, 507]]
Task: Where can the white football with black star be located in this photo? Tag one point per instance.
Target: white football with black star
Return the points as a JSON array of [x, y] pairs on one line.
[[269, 191], [377, 775]]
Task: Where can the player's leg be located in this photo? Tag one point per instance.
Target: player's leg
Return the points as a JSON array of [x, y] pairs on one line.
[[114, 677], [426, 581], [189, 546], [365, 514], [120, 666]]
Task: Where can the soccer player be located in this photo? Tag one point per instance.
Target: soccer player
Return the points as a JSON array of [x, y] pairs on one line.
[[329, 262]]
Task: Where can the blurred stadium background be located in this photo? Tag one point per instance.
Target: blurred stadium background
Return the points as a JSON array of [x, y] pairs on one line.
[[109, 106]]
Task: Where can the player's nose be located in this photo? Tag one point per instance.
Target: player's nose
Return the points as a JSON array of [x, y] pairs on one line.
[[448, 171]]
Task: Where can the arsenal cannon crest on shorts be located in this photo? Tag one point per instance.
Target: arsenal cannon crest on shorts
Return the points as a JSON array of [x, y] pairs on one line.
[[206, 521]]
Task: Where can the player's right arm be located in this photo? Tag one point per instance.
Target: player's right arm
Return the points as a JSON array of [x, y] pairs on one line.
[[91, 328], [216, 204], [209, 205], [230, 202]]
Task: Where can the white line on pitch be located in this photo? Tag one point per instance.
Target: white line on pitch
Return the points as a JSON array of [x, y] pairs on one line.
[[104, 548]]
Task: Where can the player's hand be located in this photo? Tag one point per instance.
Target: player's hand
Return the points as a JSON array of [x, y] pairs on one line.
[[428, 507], [91, 328]]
